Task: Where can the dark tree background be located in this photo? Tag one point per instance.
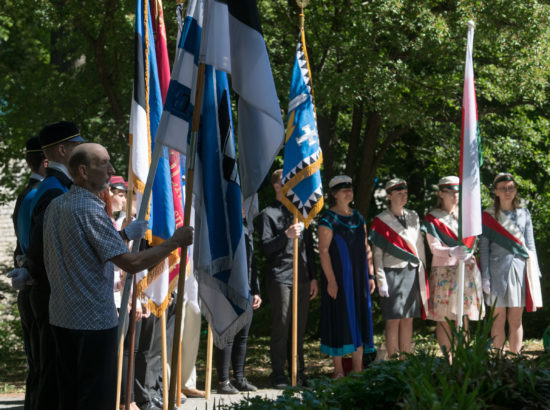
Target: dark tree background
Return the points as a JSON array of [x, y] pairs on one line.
[[387, 76]]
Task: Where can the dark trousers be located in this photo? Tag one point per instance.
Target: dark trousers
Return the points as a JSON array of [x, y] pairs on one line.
[[87, 362], [234, 351], [30, 333], [280, 297], [43, 347]]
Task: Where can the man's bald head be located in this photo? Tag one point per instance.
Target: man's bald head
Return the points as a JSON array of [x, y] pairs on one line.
[[90, 166]]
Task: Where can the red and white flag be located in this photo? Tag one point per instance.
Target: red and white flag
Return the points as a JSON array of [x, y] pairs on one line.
[[470, 158]]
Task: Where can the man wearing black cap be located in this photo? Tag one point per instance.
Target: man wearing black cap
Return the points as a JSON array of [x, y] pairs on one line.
[[58, 141], [21, 221]]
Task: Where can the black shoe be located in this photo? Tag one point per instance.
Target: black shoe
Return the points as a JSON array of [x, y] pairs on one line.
[[244, 385], [303, 381], [149, 406], [280, 383], [227, 388]]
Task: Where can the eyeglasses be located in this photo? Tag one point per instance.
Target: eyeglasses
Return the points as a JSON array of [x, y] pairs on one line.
[[450, 191], [507, 189]]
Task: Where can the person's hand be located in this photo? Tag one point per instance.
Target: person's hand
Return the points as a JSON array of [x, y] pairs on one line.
[[146, 311], [294, 230], [135, 230], [383, 291], [372, 286], [486, 285], [183, 236], [256, 301], [19, 277], [332, 289], [313, 289], [459, 252]]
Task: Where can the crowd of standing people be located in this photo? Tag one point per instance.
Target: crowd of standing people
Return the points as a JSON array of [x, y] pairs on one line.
[[72, 250]]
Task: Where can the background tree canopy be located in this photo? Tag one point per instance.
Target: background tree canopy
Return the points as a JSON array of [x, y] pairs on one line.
[[387, 77]]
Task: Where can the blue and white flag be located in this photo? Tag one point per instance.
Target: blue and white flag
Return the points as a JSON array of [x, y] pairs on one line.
[[220, 251], [233, 42], [144, 120], [302, 191], [175, 124]]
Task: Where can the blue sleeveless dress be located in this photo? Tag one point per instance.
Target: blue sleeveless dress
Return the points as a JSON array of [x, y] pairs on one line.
[[346, 322]]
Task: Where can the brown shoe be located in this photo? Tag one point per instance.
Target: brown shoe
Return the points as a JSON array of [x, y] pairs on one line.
[[194, 393]]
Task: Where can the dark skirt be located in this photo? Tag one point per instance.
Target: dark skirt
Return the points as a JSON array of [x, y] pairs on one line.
[[404, 300]]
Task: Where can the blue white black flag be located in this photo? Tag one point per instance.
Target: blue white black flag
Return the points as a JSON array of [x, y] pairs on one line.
[[302, 191]]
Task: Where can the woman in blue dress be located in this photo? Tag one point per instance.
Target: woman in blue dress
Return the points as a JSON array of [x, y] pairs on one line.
[[347, 283]]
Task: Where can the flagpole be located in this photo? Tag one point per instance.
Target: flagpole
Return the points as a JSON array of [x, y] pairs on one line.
[[295, 310], [461, 269], [294, 376], [189, 182], [164, 360], [132, 336], [135, 247], [460, 294], [209, 348]]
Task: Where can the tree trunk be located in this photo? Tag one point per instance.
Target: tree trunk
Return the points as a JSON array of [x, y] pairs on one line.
[[353, 151], [367, 170]]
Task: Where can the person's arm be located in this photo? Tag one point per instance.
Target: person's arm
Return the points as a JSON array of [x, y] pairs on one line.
[[437, 247], [380, 275], [420, 242], [484, 257], [35, 255], [271, 241], [370, 263], [135, 262], [325, 238], [530, 238]]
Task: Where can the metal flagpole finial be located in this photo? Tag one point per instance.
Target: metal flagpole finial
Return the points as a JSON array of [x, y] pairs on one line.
[[471, 24], [302, 4]]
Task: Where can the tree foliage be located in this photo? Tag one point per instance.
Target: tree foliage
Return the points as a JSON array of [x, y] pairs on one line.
[[387, 77]]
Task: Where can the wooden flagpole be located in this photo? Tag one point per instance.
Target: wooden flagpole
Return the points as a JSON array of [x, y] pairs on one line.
[[294, 378], [128, 210], [189, 182], [295, 311], [209, 348], [132, 336], [164, 361]]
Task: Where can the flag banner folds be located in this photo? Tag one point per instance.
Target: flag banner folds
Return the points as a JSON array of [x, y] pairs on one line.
[[144, 119], [161, 287], [470, 148], [233, 42], [219, 248], [302, 191], [175, 124]]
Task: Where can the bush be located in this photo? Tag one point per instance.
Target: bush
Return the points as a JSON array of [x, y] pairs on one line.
[[478, 378]]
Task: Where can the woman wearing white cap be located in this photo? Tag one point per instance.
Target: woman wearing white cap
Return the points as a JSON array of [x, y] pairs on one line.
[[399, 262], [347, 283], [509, 264], [441, 227]]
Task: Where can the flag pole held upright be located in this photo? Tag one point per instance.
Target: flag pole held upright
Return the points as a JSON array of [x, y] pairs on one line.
[[189, 183], [301, 180], [469, 222]]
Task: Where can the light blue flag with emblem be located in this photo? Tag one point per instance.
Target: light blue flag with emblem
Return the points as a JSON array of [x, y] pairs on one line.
[[302, 191]]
